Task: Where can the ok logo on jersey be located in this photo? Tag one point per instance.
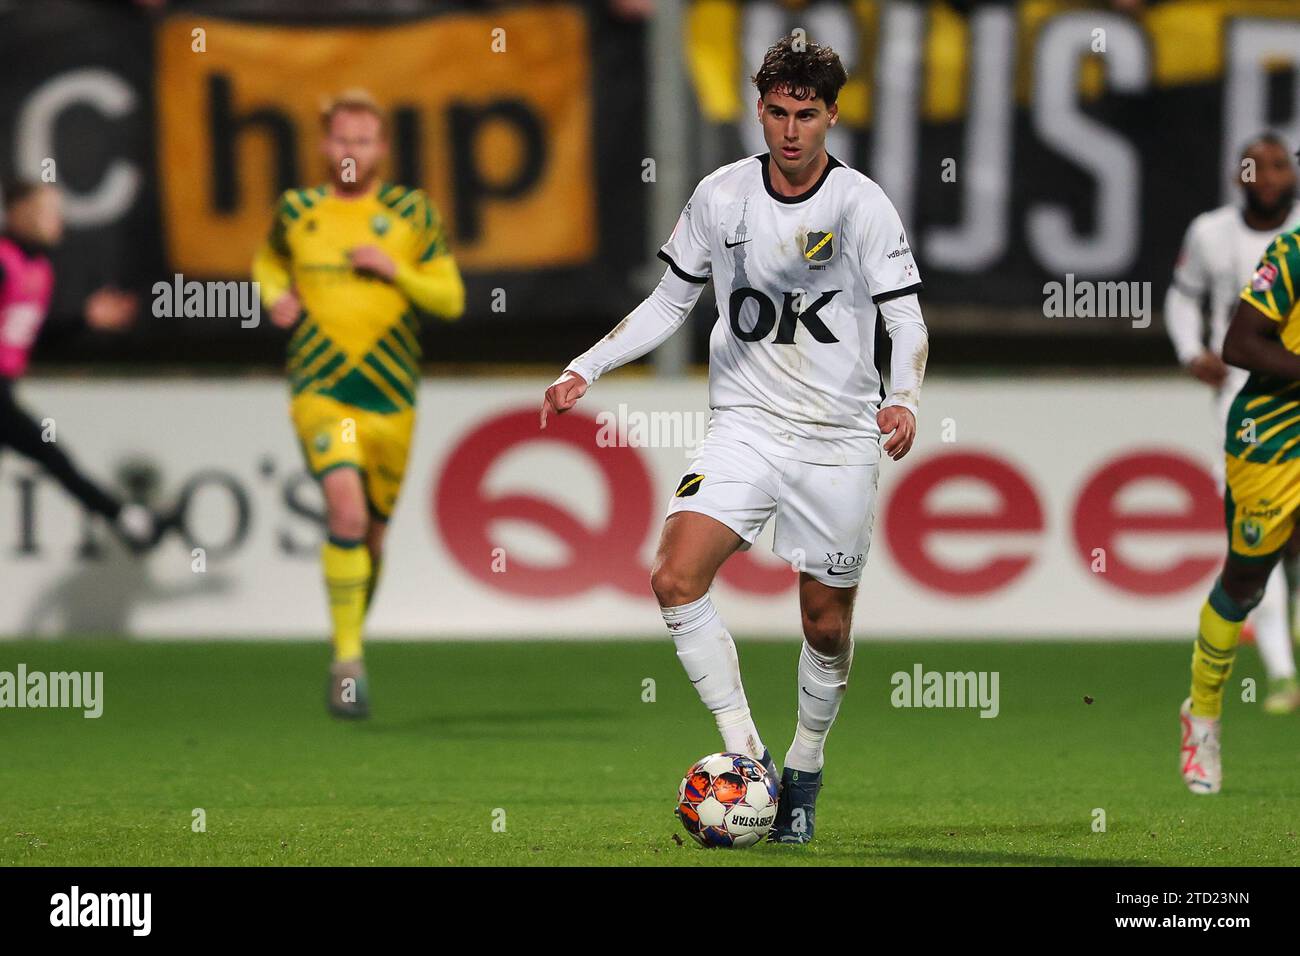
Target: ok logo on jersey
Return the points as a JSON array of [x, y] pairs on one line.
[[790, 317]]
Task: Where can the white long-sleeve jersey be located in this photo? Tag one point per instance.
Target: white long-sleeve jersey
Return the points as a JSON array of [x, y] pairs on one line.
[[1218, 256], [804, 286]]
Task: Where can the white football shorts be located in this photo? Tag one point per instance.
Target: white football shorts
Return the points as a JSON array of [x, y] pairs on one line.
[[824, 513]]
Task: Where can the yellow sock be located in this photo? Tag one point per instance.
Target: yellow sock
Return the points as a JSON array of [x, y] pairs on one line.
[[347, 575], [1215, 650]]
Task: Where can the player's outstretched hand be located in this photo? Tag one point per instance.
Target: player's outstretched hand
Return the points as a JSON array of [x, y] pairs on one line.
[[563, 394], [1209, 368], [285, 311], [373, 260], [900, 425], [111, 310]]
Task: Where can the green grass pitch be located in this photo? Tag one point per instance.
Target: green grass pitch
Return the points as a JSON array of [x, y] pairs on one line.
[[558, 737]]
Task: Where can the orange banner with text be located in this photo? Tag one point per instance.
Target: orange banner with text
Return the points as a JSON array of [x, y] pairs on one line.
[[491, 115]]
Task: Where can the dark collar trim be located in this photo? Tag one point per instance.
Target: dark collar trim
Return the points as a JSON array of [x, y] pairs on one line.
[[765, 160]]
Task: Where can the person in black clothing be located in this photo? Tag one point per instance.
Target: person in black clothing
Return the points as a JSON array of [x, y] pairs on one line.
[[33, 225]]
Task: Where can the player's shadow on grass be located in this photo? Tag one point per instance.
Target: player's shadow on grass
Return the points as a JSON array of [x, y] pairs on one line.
[[956, 857], [502, 725], [895, 845]]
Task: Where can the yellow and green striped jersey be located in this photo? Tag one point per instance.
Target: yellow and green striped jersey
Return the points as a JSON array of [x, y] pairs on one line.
[[358, 341], [1264, 421]]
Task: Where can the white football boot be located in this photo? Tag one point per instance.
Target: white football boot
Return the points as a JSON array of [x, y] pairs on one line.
[[1199, 758]]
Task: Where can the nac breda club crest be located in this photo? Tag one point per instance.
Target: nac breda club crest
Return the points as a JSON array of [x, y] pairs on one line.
[[818, 246]]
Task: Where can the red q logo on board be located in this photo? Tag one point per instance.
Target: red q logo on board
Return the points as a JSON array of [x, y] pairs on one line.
[[608, 555], [1016, 528]]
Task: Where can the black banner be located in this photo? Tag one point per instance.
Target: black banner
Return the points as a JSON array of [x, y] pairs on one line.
[[172, 136], [1022, 142]]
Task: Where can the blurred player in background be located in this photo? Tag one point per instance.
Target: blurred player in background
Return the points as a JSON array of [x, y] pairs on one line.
[[1262, 470], [809, 262], [33, 226], [1220, 251], [349, 264]]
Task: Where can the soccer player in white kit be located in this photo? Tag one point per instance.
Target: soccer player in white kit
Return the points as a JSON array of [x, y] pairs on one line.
[[1218, 256], [809, 262]]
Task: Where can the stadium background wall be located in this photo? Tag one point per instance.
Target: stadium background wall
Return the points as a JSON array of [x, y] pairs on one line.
[[1066, 159], [1014, 516]]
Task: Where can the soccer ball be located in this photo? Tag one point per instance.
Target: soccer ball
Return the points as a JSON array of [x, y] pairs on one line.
[[727, 800]]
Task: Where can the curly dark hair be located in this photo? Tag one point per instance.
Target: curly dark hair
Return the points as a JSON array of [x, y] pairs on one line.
[[804, 72]]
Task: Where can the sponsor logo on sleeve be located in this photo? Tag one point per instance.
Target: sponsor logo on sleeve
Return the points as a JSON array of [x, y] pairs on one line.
[[1264, 277], [903, 248]]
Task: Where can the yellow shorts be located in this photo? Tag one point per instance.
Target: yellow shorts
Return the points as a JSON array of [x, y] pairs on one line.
[[334, 435], [1260, 505]]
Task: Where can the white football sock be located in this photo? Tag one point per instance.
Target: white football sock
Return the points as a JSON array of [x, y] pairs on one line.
[[822, 681], [1272, 629], [709, 656]]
